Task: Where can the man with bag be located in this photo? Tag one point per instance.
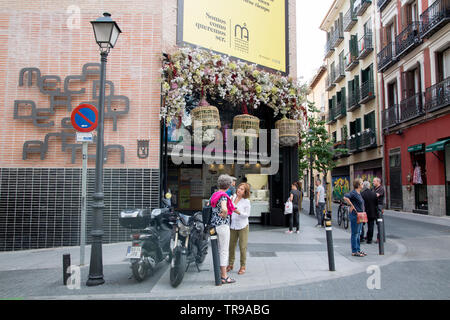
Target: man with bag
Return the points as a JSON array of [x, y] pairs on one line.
[[292, 208], [357, 216], [371, 206]]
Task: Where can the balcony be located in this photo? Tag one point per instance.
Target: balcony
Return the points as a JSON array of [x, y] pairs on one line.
[[328, 49], [354, 143], [367, 92], [340, 145], [381, 4], [340, 73], [435, 17], [361, 6], [353, 100], [437, 96], [390, 117], [386, 57], [331, 116], [350, 19], [411, 108], [351, 61], [337, 38], [365, 45], [329, 83], [368, 139], [408, 39], [341, 110]]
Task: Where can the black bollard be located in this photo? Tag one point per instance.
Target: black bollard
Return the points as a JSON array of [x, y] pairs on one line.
[[66, 265], [381, 231], [215, 255], [329, 231]]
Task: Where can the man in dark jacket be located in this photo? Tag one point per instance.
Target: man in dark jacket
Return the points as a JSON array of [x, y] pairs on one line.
[[371, 206]]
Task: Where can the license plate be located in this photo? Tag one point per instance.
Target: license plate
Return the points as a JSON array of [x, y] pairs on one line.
[[134, 252]]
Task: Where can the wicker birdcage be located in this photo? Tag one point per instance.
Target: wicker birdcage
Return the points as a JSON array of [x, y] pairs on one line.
[[248, 124], [288, 131], [207, 117]]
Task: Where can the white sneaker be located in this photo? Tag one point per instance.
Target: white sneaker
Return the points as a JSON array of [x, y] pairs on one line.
[[289, 232]]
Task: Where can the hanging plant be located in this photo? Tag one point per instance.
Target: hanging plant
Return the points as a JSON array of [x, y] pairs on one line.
[[196, 71]]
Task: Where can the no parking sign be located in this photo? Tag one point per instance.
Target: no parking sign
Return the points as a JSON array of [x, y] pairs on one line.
[[84, 118]]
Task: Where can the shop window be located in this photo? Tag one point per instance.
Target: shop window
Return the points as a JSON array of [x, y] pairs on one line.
[[419, 180]]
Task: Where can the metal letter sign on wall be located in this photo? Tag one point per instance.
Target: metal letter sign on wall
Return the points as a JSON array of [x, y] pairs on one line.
[[143, 149], [41, 116]]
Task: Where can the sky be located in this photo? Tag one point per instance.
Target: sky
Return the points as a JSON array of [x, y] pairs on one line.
[[310, 39]]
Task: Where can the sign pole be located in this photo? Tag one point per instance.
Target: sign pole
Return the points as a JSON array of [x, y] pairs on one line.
[[83, 203]]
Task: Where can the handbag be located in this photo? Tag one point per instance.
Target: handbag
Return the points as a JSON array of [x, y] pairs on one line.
[[361, 217], [288, 207]]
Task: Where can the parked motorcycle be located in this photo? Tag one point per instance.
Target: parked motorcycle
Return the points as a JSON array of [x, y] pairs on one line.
[[189, 244], [151, 244]]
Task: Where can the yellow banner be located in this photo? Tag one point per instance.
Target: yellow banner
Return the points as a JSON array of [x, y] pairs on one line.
[[251, 30]]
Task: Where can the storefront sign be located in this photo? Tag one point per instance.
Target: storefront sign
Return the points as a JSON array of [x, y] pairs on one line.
[[414, 148], [238, 28]]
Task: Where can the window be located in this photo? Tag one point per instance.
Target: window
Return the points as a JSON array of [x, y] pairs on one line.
[[334, 137], [392, 94], [442, 65], [369, 121]]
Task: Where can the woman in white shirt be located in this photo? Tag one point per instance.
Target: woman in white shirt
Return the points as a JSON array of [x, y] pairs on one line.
[[239, 228]]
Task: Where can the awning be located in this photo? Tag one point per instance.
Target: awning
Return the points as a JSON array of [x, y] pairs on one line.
[[437, 146], [416, 147]]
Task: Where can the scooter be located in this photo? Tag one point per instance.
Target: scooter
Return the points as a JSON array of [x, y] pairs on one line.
[[152, 244], [189, 244]]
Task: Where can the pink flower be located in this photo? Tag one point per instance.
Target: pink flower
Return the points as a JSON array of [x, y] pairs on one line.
[[174, 85]]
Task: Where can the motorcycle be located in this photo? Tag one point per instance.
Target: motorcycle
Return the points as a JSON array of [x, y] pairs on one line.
[[189, 244], [152, 244]]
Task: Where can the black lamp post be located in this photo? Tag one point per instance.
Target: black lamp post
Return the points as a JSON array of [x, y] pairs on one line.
[[106, 33], [311, 186]]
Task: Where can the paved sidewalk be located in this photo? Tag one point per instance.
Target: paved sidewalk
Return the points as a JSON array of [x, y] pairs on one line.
[[275, 259]]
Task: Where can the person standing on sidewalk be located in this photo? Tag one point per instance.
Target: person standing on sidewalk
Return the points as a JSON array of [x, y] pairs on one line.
[[371, 206], [356, 203], [232, 189], [294, 218], [222, 209], [379, 191], [320, 203], [239, 226]]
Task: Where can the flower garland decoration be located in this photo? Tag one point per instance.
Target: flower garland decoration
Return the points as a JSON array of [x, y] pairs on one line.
[[194, 70]]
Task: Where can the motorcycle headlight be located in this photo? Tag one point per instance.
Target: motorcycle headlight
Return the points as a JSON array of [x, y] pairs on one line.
[[183, 230]]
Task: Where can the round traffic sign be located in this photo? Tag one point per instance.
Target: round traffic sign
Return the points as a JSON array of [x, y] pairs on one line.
[[84, 118]]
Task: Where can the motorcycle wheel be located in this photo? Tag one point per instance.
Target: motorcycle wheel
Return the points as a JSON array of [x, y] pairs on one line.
[[177, 267], [140, 270]]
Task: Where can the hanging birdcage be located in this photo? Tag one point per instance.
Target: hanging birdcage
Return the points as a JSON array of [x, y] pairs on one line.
[[246, 125], [205, 117], [288, 131]]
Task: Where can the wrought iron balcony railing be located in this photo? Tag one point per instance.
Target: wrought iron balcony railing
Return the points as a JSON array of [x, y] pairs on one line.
[[339, 73], [351, 61], [338, 37], [381, 4], [411, 107], [386, 57], [408, 39], [354, 143], [361, 6], [328, 49], [350, 19], [435, 17], [437, 96], [340, 145], [365, 45], [368, 139], [329, 82], [341, 109], [353, 100], [390, 117], [367, 91], [331, 115]]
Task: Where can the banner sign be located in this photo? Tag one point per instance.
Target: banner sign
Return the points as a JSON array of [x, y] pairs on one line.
[[254, 31]]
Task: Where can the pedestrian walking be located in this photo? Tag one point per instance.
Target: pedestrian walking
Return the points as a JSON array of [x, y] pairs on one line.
[[294, 217], [356, 203], [380, 192], [371, 206], [239, 229], [222, 209], [320, 203]]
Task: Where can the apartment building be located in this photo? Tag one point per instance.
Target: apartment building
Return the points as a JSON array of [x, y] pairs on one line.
[[353, 96], [414, 82]]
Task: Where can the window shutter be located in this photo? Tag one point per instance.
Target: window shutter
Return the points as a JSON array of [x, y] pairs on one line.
[[358, 125]]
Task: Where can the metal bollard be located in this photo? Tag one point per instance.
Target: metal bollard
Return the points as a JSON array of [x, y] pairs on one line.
[[215, 255], [66, 265], [381, 240], [329, 231]]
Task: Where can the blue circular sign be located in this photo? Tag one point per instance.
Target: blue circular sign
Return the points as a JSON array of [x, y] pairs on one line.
[[84, 118]]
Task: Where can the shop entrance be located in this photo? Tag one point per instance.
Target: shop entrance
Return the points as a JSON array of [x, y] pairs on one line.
[[420, 181], [447, 178], [395, 179]]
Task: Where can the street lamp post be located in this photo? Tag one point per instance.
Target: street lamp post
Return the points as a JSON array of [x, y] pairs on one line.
[[106, 33], [311, 185]]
